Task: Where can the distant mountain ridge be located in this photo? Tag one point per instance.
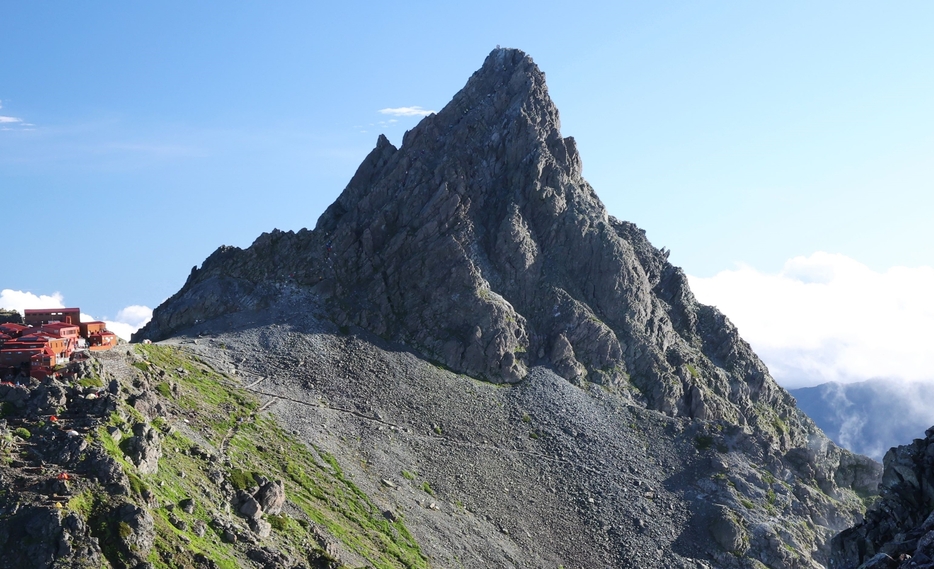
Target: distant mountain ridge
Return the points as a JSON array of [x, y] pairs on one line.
[[869, 417], [478, 245]]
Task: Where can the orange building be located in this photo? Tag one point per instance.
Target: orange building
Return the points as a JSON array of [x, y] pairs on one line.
[[61, 347], [88, 328], [68, 332], [18, 355], [98, 336], [39, 356], [61, 329], [49, 339], [102, 340]]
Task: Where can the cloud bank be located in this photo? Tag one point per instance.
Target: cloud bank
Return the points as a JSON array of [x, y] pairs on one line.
[[406, 112], [19, 300], [869, 417], [127, 321], [827, 317]]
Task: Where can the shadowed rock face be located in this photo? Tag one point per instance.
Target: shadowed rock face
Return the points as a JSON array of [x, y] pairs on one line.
[[480, 243]]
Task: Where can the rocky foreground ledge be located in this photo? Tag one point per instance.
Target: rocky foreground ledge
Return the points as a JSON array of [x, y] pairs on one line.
[[898, 531], [146, 457]]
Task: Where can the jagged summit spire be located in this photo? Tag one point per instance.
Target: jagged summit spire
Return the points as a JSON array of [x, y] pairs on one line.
[[479, 243], [501, 122], [508, 86], [505, 70]]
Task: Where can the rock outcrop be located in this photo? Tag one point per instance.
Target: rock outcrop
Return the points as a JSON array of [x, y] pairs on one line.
[[144, 448], [38, 536], [898, 530], [10, 316], [95, 484]]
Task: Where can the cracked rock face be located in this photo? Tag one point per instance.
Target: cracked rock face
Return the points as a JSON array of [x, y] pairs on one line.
[[479, 243], [41, 536]]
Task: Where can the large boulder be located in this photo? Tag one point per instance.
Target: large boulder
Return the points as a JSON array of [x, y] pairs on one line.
[[144, 448], [271, 497], [728, 532], [40, 537]]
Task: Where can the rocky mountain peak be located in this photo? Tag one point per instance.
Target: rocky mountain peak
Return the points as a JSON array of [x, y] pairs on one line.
[[478, 243], [509, 85], [475, 195], [502, 121]]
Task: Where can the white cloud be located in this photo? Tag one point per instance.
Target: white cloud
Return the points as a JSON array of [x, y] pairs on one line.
[[12, 121], [19, 300], [135, 315], [122, 329], [127, 321], [827, 317], [406, 112]]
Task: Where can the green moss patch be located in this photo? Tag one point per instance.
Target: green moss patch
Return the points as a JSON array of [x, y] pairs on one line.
[[251, 445]]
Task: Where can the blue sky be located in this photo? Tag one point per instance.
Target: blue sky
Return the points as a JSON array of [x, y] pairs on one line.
[[144, 135]]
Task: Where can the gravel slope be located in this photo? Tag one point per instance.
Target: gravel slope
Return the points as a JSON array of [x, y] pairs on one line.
[[538, 474]]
